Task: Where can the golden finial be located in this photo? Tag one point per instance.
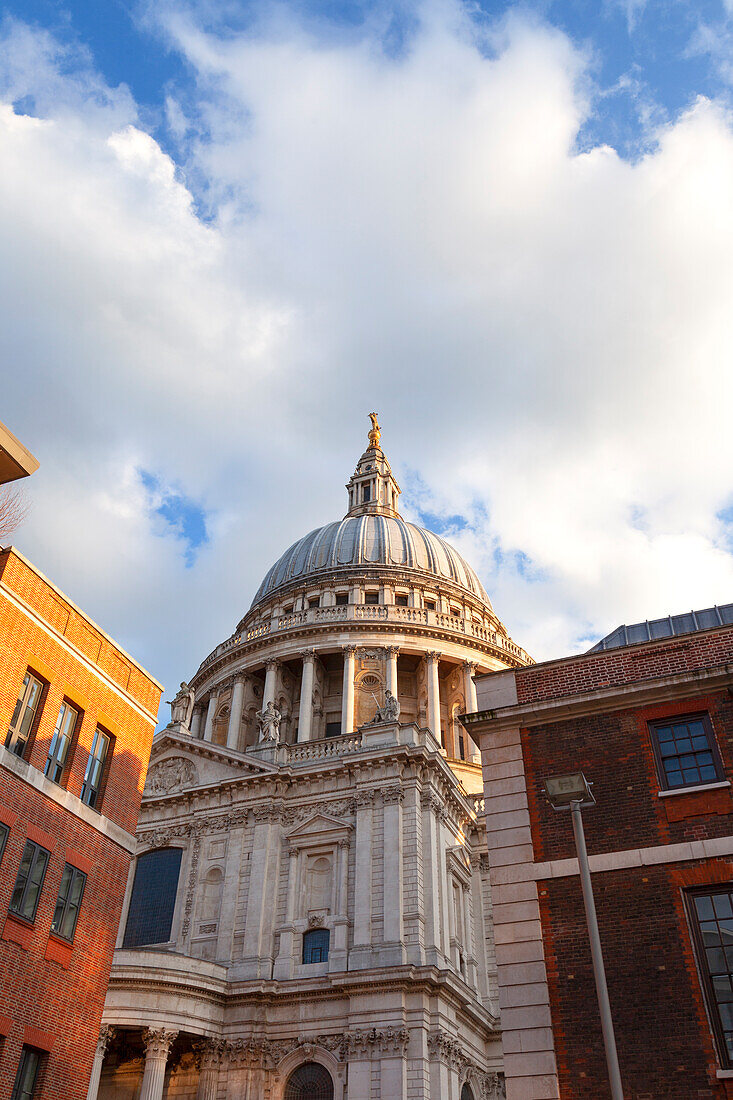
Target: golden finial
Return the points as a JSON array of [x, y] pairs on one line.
[[375, 434]]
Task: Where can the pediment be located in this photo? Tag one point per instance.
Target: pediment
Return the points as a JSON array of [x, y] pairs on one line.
[[179, 763], [320, 827], [458, 861]]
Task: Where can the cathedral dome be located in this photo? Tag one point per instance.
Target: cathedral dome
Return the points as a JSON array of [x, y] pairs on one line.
[[370, 540]]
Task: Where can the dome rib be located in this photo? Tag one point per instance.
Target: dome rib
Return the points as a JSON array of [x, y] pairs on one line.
[[370, 540]]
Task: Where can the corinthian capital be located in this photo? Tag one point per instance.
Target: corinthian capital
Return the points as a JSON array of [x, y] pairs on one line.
[[158, 1041], [433, 655]]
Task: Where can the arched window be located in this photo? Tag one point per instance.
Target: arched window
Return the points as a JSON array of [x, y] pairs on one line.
[[315, 945], [153, 900], [466, 1093], [310, 1081]]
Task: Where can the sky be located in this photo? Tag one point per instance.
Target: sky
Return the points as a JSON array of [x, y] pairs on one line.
[[230, 230]]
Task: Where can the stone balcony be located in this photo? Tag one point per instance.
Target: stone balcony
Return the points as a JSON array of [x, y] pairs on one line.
[[431, 621]]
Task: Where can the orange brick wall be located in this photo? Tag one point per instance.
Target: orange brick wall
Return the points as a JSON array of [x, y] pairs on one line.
[[52, 994]]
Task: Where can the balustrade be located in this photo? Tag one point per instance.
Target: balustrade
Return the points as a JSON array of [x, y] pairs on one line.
[[370, 612]]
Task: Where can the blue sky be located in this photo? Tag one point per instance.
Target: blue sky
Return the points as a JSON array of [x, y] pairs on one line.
[[229, 230], [648, 59]]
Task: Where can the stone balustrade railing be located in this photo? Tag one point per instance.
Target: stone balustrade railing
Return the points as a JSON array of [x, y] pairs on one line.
[[371, 613], [322, 749], [478, 803]]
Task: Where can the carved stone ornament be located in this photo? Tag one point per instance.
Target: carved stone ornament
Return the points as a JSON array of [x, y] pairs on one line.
[[209, 1053], [170, 776], [392, 794], [362, 1044], [106, 1034], [316, 920], [486, 1086], [158, 1041]]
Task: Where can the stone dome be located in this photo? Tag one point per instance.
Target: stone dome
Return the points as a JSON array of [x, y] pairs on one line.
[[370, 540]]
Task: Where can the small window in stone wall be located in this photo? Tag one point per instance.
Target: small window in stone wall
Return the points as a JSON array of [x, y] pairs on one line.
[[400, 600], [315, 945], [150, 916], [342, 599], [371, 597], [333, 729]]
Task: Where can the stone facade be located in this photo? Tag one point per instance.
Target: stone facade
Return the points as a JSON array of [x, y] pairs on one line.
[[324, 820]]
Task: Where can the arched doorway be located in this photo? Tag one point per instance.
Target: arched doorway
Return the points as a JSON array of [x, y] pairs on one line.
[[466, 1093], [311, 1081]]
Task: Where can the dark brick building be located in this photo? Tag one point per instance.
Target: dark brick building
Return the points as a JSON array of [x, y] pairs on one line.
[[77, 717], [648, 717]]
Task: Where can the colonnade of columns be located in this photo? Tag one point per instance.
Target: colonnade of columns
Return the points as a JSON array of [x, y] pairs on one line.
[[158, 1042], [205, 716]]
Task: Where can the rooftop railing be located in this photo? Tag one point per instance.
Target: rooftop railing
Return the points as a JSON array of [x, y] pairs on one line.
[[418, 616]]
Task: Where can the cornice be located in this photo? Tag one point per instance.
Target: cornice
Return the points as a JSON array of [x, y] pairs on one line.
[[638, 693]]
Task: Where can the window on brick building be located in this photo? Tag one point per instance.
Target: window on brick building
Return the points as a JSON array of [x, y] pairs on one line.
[[4, 834], [28, 884], [315, 945], [712, 923], [58, 750], [153, 901], [68, 904], [91, 789], [21, 724], [686, 752], [27, 1075]]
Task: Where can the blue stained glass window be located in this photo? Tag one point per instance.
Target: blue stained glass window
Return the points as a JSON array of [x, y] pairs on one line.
[[685, 750], [315, 945], [150, 916]]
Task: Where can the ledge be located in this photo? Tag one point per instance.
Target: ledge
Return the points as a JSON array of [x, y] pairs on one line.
[[695, 790], [36, 779]]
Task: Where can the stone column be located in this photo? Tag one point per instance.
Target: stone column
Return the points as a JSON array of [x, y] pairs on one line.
[[283, 967], [235, 713], [106, 1035], [257, 961], [210, 1053], [196, 716], [338, 956], [393, 951], [361, 952], [269, 695], [347, 696], [432, 855], [473, 752], [392, 652], [211, 711], [305, 715], [432, 660], [158, 1042]]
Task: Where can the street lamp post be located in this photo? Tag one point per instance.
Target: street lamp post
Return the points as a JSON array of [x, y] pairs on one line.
[[572, 792]]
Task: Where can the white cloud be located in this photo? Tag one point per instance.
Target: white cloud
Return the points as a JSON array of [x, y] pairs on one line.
[[545, 333]]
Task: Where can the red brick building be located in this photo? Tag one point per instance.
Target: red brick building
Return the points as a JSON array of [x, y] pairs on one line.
[[77, 717], [648, 717]]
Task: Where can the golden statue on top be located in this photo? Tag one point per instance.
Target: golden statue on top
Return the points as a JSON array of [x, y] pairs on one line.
[[375, 434]]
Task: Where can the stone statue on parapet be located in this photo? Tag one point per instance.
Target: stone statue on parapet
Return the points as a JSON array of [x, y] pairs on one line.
[[182, 706], [389, 712], [268, 722]]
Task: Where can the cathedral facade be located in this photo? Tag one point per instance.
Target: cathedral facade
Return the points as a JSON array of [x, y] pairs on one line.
[[309, 913]]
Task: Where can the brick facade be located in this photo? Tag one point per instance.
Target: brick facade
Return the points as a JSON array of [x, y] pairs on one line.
[[52, 991], [648, 848]]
